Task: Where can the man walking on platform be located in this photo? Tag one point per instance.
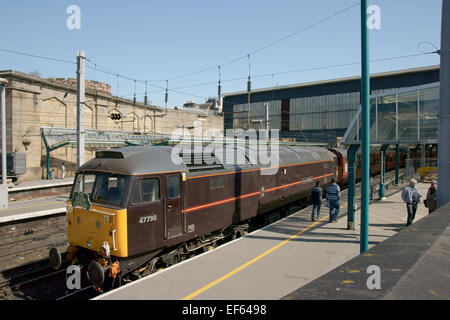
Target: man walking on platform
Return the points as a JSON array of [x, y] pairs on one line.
[[316, 197], [333, 197], [411, 196]]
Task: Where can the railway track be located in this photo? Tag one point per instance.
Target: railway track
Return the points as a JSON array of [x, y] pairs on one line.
[[24, 267], [15, 283], [38, 281], [24, 242]]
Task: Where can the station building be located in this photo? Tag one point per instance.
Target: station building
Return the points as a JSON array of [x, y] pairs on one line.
[[318, 112], [39, 110]]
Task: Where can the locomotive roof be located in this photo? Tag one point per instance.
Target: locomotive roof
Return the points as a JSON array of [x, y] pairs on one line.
[[134, 160], [160, 159]]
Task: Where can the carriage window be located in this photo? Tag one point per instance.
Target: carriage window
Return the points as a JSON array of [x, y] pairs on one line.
[[173, 187], [216, 183], [146, 190]]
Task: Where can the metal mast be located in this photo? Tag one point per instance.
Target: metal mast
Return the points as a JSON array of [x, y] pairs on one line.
[[81, 75]]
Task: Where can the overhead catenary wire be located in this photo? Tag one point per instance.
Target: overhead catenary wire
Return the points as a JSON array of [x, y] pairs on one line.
[[431, 44], [318, 68], [145, 82], [270, 44], [38, 56], [99, 68]]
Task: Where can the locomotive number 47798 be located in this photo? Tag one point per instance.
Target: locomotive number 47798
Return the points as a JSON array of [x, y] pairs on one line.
[[148, 219]]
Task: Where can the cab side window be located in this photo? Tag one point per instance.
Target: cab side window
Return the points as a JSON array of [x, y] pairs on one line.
[[173, 187], [145, 191]]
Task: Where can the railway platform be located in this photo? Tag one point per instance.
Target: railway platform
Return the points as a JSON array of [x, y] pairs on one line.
[[34, 208], [273, 262], [413, 265], [41, 184], [34, 199], [39, 188]]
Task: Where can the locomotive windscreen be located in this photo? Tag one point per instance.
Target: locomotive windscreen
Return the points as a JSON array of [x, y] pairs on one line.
[[101, 187]]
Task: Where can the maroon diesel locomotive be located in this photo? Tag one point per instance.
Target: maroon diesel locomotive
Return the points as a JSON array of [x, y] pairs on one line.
[[135, 207]]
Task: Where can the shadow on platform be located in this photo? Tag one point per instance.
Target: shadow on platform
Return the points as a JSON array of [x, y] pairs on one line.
[[413, 264]]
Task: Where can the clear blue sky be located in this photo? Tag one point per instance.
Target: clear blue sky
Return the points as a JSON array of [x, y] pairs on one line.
[[159, 40]]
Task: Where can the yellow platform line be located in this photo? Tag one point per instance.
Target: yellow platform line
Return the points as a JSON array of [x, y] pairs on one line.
[[262, 255], [245, 265]]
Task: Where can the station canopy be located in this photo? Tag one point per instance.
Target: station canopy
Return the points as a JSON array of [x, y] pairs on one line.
[[405, 116], [58, 137]]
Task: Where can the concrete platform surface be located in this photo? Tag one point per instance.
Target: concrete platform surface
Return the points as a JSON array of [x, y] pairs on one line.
[[414, 264], [270, 263], [36, 184], [28, 209]]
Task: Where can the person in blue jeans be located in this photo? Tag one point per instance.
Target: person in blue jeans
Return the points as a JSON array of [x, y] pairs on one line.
[[412, 197], [316, 198], [333, 197]]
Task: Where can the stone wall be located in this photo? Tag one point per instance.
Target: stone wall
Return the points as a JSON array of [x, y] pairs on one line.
[[33, 102]]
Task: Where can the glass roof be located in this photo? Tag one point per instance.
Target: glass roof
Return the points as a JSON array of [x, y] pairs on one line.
[[405, 116]]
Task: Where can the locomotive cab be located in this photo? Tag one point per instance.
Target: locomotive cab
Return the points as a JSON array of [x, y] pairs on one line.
[[97, 213], [111, 217], [120, 215]]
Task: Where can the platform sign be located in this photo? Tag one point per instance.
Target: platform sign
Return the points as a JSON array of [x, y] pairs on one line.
[[3, 196], [81, 199]]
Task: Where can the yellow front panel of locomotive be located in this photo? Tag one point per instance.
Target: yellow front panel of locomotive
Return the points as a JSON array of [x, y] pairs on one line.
[[90, 228]]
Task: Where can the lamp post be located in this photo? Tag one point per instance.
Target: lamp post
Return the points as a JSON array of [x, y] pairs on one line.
[[365, 143], [81, 74], [4, 186]]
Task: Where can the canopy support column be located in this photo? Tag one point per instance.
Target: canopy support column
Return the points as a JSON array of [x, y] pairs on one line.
[[351, 158], [397, 163], [382, 171]]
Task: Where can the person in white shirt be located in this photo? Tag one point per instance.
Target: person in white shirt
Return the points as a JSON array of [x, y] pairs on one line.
[[63, 170]]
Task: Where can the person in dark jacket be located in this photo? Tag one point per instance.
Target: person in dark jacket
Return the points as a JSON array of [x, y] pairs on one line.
[[316, 197], [430, 201]]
